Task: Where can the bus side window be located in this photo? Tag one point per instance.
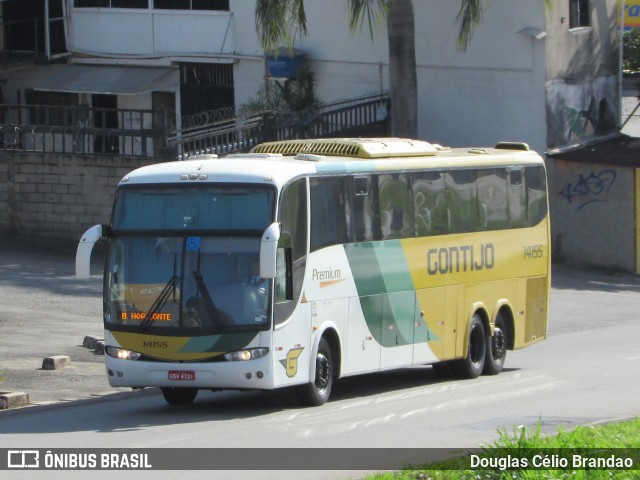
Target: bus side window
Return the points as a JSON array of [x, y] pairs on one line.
[[462, 200], [283, 291], [431, 214], [536, 194], [517, 198], [292, 255], [492, 199], [327, 212], [360, 211], [396, 206]]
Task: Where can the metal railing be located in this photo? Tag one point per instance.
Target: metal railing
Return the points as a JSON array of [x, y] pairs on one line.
[[235, 134], [83, 130], [150, 133], [344, 118]]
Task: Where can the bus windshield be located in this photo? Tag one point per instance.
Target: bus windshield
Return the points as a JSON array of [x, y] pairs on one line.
[[187, 259]]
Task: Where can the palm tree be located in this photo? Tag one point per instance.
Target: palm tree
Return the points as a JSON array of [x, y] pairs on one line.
[[279, 21]]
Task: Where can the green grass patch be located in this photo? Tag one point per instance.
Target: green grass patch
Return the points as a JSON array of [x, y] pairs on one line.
[[586, 453]]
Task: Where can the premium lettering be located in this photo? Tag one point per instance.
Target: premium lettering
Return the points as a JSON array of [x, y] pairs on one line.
[[326, 274]]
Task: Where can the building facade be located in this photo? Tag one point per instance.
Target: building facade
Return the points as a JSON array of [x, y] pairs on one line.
[[124, 77], [545, 77]]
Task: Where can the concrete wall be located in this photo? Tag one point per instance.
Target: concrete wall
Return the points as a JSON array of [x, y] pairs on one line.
[[593, 219], [582, 65], [58, 196]]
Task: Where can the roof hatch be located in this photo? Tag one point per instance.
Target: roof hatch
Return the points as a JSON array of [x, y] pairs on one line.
[[347, 147]]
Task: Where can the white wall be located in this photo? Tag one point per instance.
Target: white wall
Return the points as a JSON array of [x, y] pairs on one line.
[[494, 91], [150, 32]]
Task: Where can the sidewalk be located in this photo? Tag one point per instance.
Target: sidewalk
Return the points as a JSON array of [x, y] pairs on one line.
[[45, 311], [630, 101]]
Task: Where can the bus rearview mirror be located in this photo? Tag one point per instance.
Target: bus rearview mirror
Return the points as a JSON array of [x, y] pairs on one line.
[[85, 247], [268, 251]]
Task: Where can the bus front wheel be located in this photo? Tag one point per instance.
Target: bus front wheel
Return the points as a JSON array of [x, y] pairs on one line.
[[471, 366], [316, 392], [179, 396], [496, 347]]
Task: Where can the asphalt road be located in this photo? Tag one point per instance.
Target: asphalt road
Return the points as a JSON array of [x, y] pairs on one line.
[[587, 371]]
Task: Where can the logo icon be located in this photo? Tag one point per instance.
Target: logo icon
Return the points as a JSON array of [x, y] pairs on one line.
[[291, 362], [23, 459]]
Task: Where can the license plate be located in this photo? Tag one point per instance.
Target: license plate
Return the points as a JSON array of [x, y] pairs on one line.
[[182, 375]]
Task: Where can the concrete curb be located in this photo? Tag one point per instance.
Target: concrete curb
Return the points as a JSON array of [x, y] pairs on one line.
[[96, 398], [13, 400], [56, 362]]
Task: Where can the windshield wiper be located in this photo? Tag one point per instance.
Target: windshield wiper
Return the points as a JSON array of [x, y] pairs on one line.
[[159, 303], [216, 315]]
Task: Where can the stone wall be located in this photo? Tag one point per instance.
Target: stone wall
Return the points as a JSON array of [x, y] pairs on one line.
[[593, 214], [51, 195]]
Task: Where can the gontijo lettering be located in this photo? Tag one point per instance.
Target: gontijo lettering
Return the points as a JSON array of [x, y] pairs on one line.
[[466, 258]]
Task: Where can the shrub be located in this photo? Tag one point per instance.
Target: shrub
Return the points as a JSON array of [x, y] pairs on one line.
[[631, 45]]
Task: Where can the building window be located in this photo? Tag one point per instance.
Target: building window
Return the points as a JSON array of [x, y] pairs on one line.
[[51, 108], [191, 4], [111, 3], [579, 15]]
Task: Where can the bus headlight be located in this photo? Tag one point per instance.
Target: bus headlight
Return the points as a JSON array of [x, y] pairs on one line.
[[247, 354], [122, 353]]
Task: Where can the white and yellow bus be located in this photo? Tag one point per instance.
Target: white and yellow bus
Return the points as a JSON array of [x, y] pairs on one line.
[[307, 261]]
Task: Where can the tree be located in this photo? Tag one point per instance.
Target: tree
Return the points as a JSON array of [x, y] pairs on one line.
[[631, 46], [279, 21]]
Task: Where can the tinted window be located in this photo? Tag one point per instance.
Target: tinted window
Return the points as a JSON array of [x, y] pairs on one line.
[[328, 226], [517, 199], [536, 194], [492, 199], [396, 206], [431, 213], [222, 207], [462, 200], [192, 4], [361, 210]]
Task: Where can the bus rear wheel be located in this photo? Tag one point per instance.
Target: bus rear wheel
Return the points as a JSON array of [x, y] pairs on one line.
[[179, 396], [496, 348], [471, 366], [317, 392]]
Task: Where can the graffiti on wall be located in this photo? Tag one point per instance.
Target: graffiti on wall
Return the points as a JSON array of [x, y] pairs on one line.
[[580, 109], [597, 119], [589, 189]]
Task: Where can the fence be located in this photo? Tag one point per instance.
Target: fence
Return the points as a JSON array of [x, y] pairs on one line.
[[83, 130], [365, 115], [150, 133]]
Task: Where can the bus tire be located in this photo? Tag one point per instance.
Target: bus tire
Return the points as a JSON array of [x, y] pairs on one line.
[[179, 396], [316, 393], [471, 366], [496, 347]]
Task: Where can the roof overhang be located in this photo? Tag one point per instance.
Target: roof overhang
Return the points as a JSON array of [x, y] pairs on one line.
[[616, 149], [100, 79]]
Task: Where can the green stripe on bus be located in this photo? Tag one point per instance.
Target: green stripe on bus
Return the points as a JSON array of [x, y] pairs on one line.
[[228, 342], [386, 291], [365, 268]]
